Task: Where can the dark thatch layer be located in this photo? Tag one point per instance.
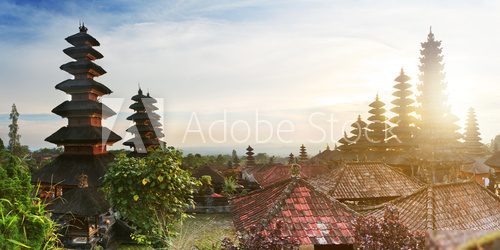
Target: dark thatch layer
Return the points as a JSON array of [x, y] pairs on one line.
[[79, 108], [84, 66], [83, 135], [143, 116], [79, 85], [82, 38], [83, 52], [65, 169], [80, 201]]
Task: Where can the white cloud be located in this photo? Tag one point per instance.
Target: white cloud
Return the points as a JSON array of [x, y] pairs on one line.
[[206, 57]]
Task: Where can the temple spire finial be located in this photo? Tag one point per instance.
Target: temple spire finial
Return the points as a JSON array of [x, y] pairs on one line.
[[402, 72], [82, 27], [140, 89]]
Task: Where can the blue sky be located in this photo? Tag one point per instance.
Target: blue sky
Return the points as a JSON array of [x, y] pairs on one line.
[[286, 59]]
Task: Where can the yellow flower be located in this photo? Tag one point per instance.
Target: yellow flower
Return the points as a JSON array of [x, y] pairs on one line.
[[160, 178]]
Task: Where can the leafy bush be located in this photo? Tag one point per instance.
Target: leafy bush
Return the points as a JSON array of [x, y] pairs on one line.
[[257, 239], [230, 186], [23, 220], [388, 233], [152, 193]]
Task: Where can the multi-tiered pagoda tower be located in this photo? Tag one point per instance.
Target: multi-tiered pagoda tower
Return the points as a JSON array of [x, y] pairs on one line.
[[404, 121], [250, 158], [84, 138], [472, 140], [378, 125], [438, 130], [147, 130]]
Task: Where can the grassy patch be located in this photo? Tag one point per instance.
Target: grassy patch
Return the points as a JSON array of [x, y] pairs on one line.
[[204, 231]]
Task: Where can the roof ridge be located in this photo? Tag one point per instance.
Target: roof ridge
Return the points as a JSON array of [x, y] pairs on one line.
[[340, 176], [327, 196], [262, 189], [278, 203], [414, 180], [496, 197], [431, 218], [368, 208], [452, 183]]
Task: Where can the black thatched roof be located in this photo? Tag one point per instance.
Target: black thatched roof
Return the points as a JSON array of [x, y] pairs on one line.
[[82, 38], [147, 142], [217, 178], [83, 67], [140, 106], [139, 96], [80, 201], [83, 52], [85, 108], [84, 135], [143, 116], [65, 169], [144, 128], [78, 85]]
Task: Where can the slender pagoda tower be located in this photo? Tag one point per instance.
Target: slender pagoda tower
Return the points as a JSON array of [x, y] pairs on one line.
[[404, 128], [358, 135], [84, 138], [250, 158], [147, 130], [438, 130], [378, 123], [291, 159], [472, 139], [303, 154]]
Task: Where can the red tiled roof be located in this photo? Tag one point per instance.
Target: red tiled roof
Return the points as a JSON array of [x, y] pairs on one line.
[[365, 180], [454, 206], [308, 215], [268, 175]]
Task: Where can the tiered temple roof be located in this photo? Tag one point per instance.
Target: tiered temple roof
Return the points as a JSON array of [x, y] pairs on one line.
[[378, 126], [438, 130], [250, 157], [303, 154], [363, 181], [308, 215], [84, 139], [403, 107], [472, 141], [147, 128], [453, 206], [358, 137]]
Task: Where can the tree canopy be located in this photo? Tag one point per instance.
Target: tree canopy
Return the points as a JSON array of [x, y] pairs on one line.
[[152, 193], [23, 221]]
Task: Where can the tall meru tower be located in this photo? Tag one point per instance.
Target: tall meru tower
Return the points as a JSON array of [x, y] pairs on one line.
[[437, 126], [84, 138], [147, 129]]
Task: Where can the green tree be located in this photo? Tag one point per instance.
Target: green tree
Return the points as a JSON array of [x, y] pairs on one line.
[[14, 137], [2, 146], [236, 160], [152, 193], [230, 186], [23, 220], [262, 158]]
